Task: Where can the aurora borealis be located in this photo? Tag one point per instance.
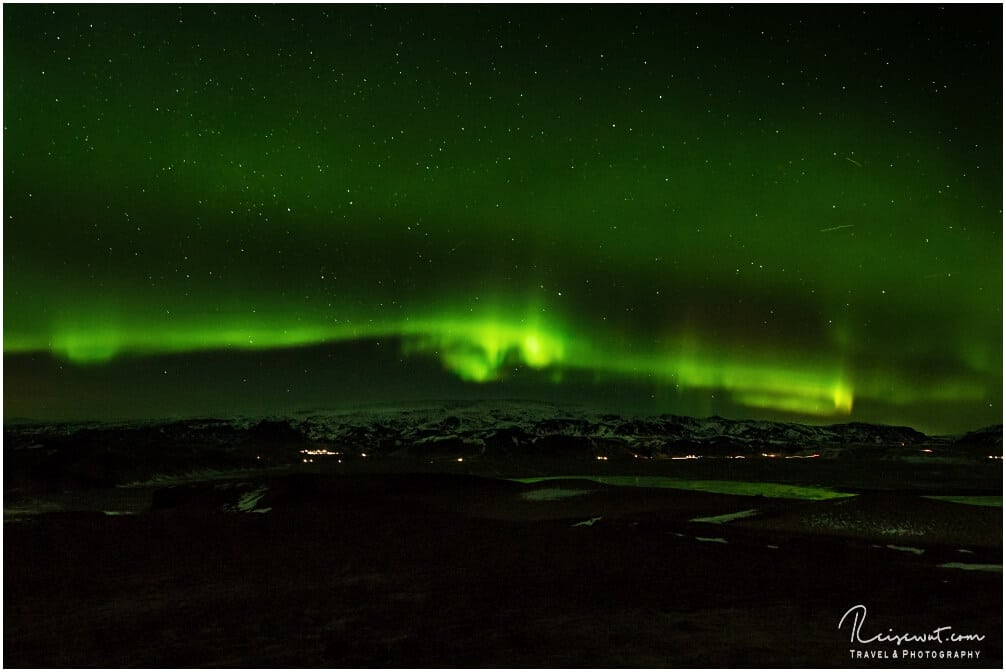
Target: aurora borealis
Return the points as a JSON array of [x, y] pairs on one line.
[[770, 212]]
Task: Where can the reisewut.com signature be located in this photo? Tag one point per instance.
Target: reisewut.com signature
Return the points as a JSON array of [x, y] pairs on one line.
[[906, 645]]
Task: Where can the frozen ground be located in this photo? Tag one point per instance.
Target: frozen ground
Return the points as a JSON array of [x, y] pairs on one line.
[[469, 536]]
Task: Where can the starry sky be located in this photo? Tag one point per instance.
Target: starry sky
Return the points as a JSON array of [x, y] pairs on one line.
[[788, 213]]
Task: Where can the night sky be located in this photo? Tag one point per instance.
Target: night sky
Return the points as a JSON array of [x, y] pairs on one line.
[[771, 212]]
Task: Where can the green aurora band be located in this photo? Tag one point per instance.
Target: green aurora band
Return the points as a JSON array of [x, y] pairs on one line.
[[691, 209], [480, 350]]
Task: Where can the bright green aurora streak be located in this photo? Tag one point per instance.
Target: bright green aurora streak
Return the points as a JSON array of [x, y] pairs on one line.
[[478, 350], [736, 202]]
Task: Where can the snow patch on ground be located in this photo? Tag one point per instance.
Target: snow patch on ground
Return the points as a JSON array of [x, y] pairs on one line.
[[861, 524], [748, 488], [906, 549], [726, 517], [196, 476], [248, 501], [971, 500], [972, 566], [551, 494], [27, 508]]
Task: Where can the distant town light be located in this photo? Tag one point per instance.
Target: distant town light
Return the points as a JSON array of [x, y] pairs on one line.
[[318, 451]]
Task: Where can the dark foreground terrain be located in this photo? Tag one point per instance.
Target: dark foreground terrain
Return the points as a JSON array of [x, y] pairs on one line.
[[427, 561]]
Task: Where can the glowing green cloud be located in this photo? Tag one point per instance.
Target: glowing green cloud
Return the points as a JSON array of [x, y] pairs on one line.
[[715, 211], [480, 349]]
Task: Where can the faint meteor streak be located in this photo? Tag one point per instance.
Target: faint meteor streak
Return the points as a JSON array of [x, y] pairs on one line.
[[836, 228], [854, 162]]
